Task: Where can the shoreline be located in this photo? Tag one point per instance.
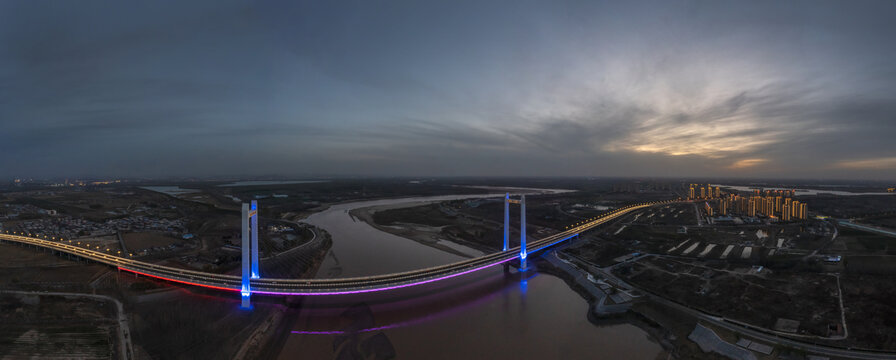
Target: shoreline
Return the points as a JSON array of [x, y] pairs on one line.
[[426, 238], [655, 330]]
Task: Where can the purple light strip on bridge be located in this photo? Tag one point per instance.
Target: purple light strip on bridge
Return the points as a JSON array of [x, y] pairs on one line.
[[377, 328], [403, 285], [359, 291], [439, 315]]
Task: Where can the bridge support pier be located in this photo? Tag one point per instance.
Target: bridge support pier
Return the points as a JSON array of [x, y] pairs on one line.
[[245, 289], [506, 221], [253, 223], [523, 254]]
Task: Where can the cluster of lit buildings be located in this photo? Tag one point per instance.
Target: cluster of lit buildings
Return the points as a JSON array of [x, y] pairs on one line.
[[703, 191], [66, 183], [771, 203], [70, 228], [85, 183]]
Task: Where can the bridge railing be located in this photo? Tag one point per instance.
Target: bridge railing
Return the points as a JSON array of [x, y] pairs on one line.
[[231, 282]]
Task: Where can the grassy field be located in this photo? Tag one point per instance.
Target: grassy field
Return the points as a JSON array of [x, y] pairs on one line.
[[863, 242], [755, 299], [881, 265], [139, 241], [870, 314], [424, 215], [30, 269], [56, 327]]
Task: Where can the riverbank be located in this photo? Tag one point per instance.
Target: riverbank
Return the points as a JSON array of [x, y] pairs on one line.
[[431, 236], [602, 315], [507, 310]]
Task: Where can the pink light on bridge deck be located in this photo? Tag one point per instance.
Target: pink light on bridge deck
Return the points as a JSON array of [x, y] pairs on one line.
[[359, 291]]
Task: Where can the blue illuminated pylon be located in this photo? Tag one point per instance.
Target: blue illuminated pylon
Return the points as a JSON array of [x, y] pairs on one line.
[[522, 202], [523, 233], [506, 221], [245, 289], [253, 215]]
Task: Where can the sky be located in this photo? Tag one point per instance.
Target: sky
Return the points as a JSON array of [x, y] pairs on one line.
[[789, 89]]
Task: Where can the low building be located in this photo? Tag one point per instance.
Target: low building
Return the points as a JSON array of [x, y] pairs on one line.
[[723, 220], [787, 325]]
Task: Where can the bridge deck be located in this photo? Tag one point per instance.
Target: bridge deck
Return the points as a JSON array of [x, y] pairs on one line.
[[318, 286]]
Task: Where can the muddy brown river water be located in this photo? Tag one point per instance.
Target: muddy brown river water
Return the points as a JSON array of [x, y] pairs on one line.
[[495, 313]]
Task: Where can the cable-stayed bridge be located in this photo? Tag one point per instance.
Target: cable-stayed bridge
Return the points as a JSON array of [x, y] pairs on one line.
[[251, 281]]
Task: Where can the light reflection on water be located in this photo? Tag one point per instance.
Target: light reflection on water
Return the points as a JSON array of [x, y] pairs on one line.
[[495, 312], [492, 313], [439, 312]]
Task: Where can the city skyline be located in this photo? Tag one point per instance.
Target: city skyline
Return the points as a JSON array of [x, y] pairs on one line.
[[702, 89]]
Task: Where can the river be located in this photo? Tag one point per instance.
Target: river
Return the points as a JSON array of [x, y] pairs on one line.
[[802, 191], [494, 313]]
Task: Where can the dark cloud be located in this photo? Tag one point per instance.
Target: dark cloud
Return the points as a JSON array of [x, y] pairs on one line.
[[792, 89]]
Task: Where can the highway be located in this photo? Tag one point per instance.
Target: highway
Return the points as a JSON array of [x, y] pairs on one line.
[[873, 229], [363, 284]]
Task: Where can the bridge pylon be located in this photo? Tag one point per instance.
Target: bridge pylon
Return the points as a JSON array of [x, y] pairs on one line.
[[506, 221], [250, 251], [523, 253], [522, 202], [253, 224]]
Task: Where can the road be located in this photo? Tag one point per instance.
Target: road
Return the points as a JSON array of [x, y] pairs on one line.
[[826, 244], [751, 330], [305, 244], [697, 213], [273, 286], [417, 277], [873, 229]]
